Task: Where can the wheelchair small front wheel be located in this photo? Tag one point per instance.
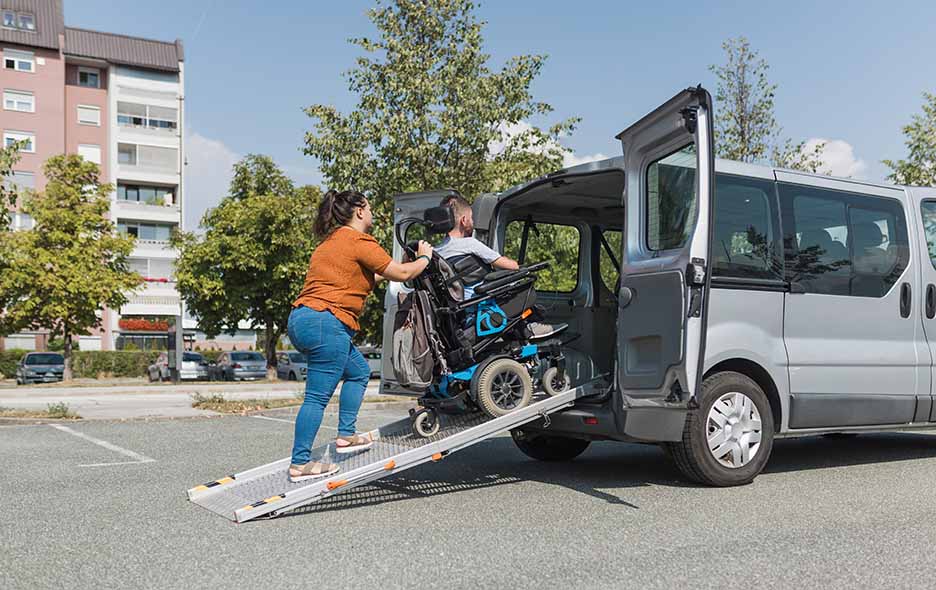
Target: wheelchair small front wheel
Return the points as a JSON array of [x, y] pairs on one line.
[[426, 423], [553, 384], [503, 386]]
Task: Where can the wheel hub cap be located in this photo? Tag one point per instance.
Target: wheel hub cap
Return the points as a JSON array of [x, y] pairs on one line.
[[734, 430]]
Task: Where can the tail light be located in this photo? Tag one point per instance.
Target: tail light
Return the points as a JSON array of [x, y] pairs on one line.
[[590, 420], [236, 366]]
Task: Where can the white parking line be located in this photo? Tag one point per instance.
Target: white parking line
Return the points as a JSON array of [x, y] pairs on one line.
[[137, 457]]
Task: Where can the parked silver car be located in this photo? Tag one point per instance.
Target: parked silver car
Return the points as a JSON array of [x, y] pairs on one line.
[[291, 365], [237, 365], [194, 367], [40, 367]]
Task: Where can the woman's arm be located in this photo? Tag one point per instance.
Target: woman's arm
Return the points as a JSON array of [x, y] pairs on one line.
[[404, 271]]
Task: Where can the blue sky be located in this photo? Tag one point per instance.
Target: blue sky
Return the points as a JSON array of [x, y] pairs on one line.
[[850, 72]]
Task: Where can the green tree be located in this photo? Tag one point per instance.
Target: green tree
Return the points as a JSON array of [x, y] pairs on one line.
[[919, 168], [9, 156], [432, 113], [746, 129], [251, 261], [73, 262]]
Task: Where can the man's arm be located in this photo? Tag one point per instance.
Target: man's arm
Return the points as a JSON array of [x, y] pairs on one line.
[[504, 263]]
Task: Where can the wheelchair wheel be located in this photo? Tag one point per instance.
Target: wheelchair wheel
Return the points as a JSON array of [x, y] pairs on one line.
[[426, 423], [552, 384], [504, 385]]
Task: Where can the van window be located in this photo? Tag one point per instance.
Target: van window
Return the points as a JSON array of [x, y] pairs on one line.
[[928, 209], [547, 242], [841, 243], [671, 199], [606, 267], [746, 243]]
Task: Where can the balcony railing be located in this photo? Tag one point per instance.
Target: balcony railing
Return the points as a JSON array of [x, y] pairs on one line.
[[152, 300]]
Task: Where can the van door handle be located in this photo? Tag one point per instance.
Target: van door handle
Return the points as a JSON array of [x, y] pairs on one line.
[[930, 301], [905, 300]]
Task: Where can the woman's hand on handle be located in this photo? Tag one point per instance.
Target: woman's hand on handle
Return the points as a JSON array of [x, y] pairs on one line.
[[404, 271]]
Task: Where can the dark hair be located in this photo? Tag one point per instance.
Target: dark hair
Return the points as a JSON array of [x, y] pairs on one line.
[[336, 210], [458, 203]]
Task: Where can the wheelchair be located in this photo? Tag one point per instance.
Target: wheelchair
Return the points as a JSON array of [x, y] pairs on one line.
[[484, 356]]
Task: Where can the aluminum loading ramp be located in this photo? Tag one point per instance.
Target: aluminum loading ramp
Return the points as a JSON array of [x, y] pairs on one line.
[[267, 491]]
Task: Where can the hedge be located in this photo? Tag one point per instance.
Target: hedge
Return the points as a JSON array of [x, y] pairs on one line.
[[100, 363], [8, 360]]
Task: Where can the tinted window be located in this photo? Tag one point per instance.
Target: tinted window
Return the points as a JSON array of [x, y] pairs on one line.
[[547, 242], [608, 265], [192, 356], [246, 356], [671, 199], [928, 209], [296, 357], [841, 243], [45, 359], [745, 242]]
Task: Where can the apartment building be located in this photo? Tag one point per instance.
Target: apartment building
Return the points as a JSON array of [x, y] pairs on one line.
[[115, 100]]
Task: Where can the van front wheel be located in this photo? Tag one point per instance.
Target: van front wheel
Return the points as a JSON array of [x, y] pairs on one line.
[[726, 440]]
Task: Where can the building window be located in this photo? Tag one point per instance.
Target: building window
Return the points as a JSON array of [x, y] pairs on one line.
[[11, 137], [131, 114], [126, 154], [24, 21], [89, 115], [21, 221], [27, 22], [153, 232], [21, 61], [152, 195], [20, 181], [16, 100], [89, 77], [91, 153]]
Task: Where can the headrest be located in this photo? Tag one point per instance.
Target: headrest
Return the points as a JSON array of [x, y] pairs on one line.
[[868, 235], [816, 237], [439, 220]]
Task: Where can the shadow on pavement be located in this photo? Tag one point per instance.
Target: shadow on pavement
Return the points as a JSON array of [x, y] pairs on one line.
[[612, 466]]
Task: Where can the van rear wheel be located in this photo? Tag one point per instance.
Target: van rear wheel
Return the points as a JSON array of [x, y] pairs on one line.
[[726, 440], [546, 447]]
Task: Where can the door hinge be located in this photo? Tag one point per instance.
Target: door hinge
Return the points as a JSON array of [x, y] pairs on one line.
[[690, 117]]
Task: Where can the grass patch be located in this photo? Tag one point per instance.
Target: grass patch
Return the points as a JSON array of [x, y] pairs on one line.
[[218, 403], [57, 411]]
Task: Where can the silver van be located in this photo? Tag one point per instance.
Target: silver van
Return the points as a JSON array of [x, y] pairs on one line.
[[721, 305]]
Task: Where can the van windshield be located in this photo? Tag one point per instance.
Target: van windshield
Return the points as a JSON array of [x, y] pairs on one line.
[[45, 359]]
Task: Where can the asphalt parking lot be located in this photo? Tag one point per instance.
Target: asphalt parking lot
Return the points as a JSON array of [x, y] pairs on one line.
[[827, 513]]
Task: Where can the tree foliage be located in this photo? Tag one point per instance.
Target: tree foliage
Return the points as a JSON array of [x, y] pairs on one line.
[[72, 263], [746, 128], [432, 113], [9, 156], [251, 261], [919, 169]]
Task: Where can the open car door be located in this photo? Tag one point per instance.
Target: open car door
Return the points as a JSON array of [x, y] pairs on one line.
[[663, 298]]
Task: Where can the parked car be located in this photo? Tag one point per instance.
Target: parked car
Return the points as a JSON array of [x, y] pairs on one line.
[[194, 367], [291, 365], [40, 367], [374, 358], [235, 366]]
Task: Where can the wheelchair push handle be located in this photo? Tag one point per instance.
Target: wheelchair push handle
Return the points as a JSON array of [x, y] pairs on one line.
[[535, 267]]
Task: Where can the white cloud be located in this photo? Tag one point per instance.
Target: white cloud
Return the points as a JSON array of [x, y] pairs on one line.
[[512, 130], [838, 158], [207, 175]]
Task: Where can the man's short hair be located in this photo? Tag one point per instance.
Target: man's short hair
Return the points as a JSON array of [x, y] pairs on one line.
[[458, 203]]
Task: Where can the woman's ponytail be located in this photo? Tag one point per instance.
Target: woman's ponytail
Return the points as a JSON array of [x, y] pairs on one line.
[[336, 210]]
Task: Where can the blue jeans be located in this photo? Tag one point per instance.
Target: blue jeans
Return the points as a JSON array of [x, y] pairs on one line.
[[331, 357]]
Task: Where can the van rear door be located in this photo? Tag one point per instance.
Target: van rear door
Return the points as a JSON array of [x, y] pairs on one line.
[[662, 302]]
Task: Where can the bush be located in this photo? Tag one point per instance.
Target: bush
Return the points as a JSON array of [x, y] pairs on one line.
[[8, 360], [112, 363]]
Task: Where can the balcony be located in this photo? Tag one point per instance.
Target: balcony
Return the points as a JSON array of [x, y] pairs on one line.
[[147, 305], [143, 211]]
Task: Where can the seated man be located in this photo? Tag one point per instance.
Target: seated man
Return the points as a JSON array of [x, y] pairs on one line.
[[459, 242]]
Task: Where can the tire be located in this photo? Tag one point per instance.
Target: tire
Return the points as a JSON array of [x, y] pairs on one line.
[[503, 385], [426, 423], [545, 447], [693, 456], [552, 385], [292, 376]]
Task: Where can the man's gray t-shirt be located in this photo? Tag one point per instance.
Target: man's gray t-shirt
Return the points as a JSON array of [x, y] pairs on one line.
[[451, 247]]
